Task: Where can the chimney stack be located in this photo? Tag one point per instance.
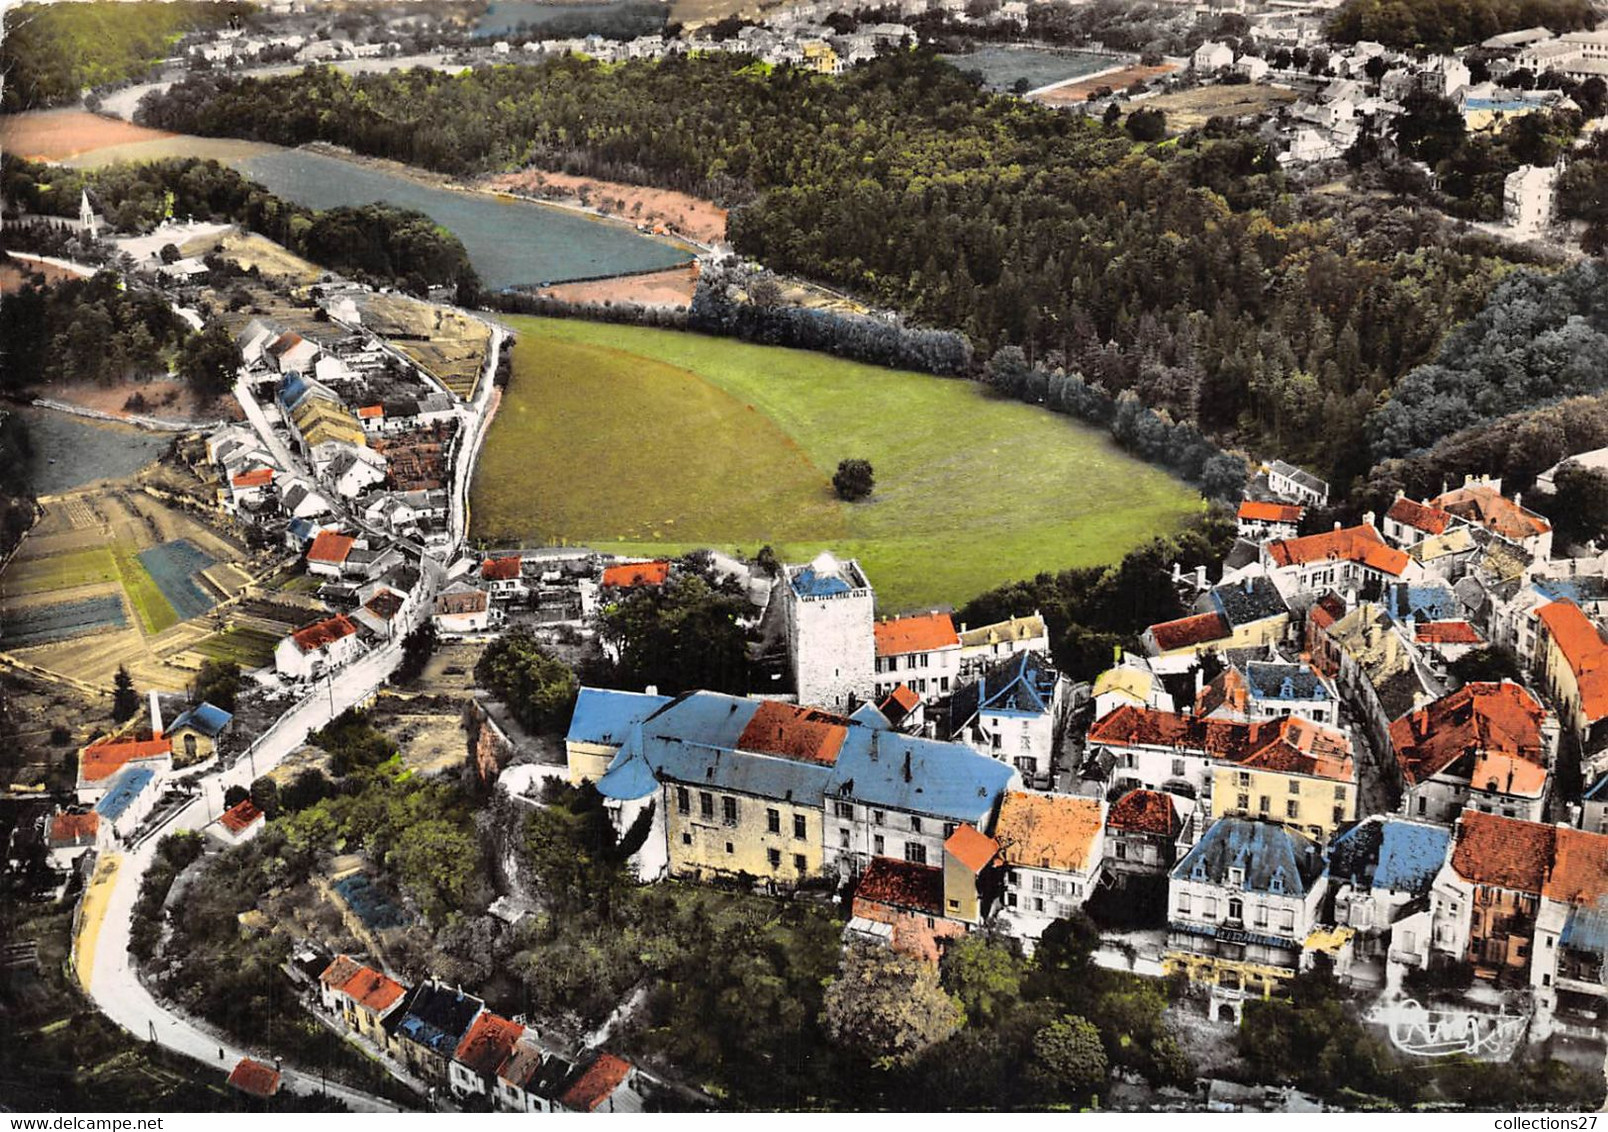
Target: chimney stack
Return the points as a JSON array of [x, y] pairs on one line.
[[1367, 518], [907, 766], [156, 716]]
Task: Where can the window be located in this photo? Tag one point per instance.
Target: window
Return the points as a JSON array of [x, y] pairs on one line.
[[1027, 742], [1122, 850], [844, 810], [996, 740], [728, 810], [706, 804], [878, 818], [915, 852], [1261, 915], [773, 821], [1178, 768], [1339, 793], [1339, 814], [1264, 804], [876, 845], [1287, 920], [1236, 908], [798, 862], [683, 800], [1422, 805], [1292, 809], [843, 838], [1295, 786], [1013, 878], [1244, 779], [686, 839], [1242, 802], [1038, 904], [1010, 899], [774, 856], [949, 830], [954, 905], [800, 827], [943, 683], [915, 825], [1236, 876], [729, 848], [1211, 907]]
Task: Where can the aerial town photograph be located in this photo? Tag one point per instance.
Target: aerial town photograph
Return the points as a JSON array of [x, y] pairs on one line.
[[810, 556]]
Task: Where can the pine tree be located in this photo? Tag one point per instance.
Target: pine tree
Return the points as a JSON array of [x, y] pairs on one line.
[[125, 700]]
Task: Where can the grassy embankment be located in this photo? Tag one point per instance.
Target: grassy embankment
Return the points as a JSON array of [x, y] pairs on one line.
[[651, 441]]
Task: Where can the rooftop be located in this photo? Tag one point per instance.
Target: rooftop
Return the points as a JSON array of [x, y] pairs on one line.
[[1583, 649], [921, 632], [488, 1044], [105, 757], [827, 576], [126, 787], [1484, 505], [74, 829], [322, 634], [1256, 510], [501, 569], [1254, 598], [605, 716], [631, 574], [1391, 854], [256, 1078], [372, 990], [1360, 544], [437, 1017], [596, 1083], [1420, 516], [792, 732], [1200, 629], [1264, 856], [973, 849], [460, 599], [1145, 811], [1049, 831], [240, 817], [1013, 630], [206, 718], [331, 547], [903, 884]]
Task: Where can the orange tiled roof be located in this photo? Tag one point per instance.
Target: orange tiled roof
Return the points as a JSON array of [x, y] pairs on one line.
[[255, 1077], [1419, 516], [904, 697], [1296, 746], [1483, 504], [106, 757], [257, 477], [1270, 512], [1145, 811], [1446, 633], [372, 990], [1497, 727], [1186, 631], [322, 633], [500, 569], [1328, 609], [1579, 867], [371, 412], [330, 546], [1360, 544], [1048, 831], [637, 574], [597, 1083], [1583, 648], [340, 972], [973, 849], [902, 884], [790, 732], [74, 829], [238, 818], [1503, 852], [488, 1043], [1288, 745], [922, 632]]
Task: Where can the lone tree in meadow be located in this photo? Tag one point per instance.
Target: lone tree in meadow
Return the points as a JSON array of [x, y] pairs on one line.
[[853, 479]]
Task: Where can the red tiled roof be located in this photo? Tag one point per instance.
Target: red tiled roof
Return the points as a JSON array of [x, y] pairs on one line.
[[1496, 727], [1579, 867], [340, 972], [385, 604], [488, 1043], [1288, 745], [372, 990], [1419, 516], [1483, 504], [1297, 746], [596, 1084], [330, 546], [973, 849], [1328, 609], [286, 342], [903, 697], [239, 818], [500, 569], [1360, 544], [371, 412], [1446, 633], [74, 829], [1145, 811], [1582, 646], [790, 732], [464, 601], [257, 477], [1186, 631], [902, 884], [255, 1077], [1048, 831], [1270, 512], [922, 632], [322, 633], [637, 574], [106, 757], [1503, 852]]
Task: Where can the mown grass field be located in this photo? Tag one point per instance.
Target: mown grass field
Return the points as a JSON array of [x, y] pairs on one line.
[[87, 567], [639, 440], [247, 647]]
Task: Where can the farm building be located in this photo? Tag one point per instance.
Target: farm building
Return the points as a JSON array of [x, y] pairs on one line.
[[321, 647]]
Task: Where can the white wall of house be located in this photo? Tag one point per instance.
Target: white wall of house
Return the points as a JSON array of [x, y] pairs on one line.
[[1035, 898], [930, 674]]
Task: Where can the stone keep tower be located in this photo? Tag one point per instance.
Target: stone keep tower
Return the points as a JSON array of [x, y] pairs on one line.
[[831, 643]]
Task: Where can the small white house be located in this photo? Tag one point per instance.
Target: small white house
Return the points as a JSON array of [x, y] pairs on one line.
[[462, 608], [1211, 56], [1528, 198], [307, 654]]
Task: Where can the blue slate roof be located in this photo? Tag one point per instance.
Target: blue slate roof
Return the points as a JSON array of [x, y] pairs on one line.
[[946, 780], [1253, 599], [628, 777], [1274, 859], [1598, 790], [1024, 684], [1586, 929], [1433, 601], [293, 390], [437, 1017], [807, 583], [206, 718], [302, 529], [867, 715], [126, 787], [1388, 853], [1270, 681], [605, 716], [1581, 590]]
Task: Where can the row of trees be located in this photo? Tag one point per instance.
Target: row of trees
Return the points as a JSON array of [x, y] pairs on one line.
[[377, 242], [1186, 272], [1441, 25]]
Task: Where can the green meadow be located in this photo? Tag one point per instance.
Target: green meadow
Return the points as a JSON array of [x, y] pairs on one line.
[[647, 441]]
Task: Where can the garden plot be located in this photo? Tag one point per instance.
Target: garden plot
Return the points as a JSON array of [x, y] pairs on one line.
[[371, 903], [40, 624], [173, 567]]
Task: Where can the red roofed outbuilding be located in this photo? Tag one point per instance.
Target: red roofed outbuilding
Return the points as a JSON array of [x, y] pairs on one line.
[[255, 1078], [607, 1084], [627, 575]]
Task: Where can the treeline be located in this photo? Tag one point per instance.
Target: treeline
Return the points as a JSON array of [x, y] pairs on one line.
[[1440, 25], [1583, 189], [624, 21], [1539, 338], [1277, 317], [378, 242], [85, 330], [50, 52], [16, 483]]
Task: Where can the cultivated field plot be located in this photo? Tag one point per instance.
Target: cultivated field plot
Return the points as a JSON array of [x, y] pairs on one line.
[[150, 604], [1191, 109], [40, 624], [371, 904], [174, 567], [67, 571], [1004, 67], [250, 250], [655, 441], [54, 135], [1115, 80], [249, 648], [447, 344]]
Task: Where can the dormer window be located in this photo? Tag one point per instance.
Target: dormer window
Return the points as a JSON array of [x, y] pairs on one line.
[[1276, 884], [1236, 877], [1198, 872]]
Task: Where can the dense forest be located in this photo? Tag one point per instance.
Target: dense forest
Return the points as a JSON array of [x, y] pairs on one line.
[[1439, 25], [50, 52], [378, 242], [1184, 271], [85, 330]]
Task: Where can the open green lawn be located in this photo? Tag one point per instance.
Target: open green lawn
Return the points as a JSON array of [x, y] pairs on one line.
[[249, 648], [155, 611], [59, 572], [639, 440]]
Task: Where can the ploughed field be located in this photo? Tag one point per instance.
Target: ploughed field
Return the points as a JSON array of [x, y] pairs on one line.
[[656, 442]]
